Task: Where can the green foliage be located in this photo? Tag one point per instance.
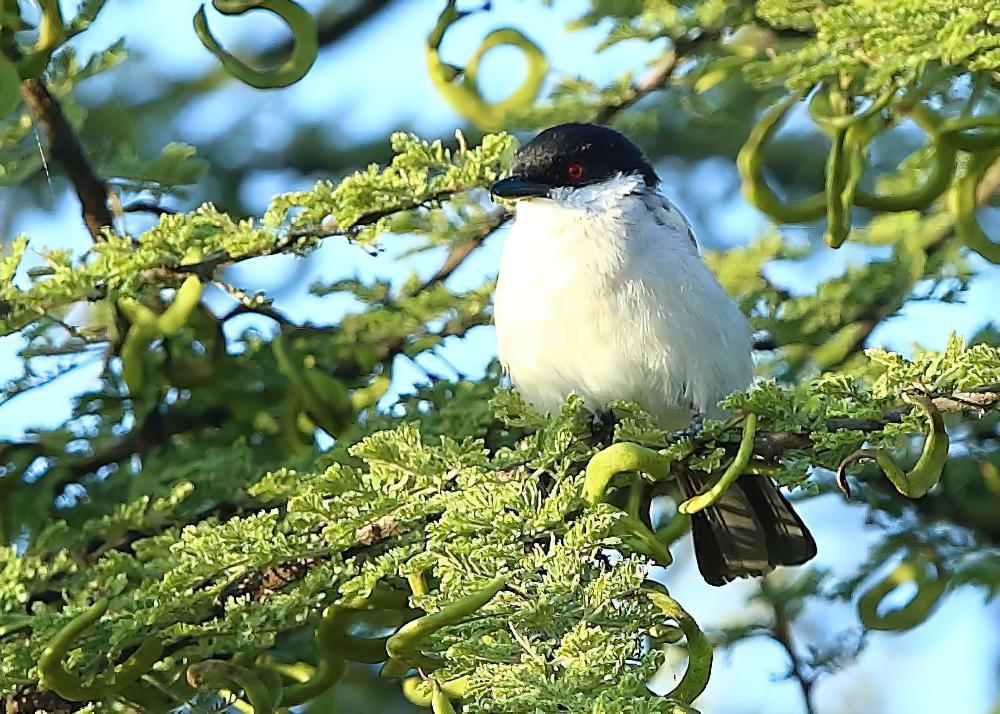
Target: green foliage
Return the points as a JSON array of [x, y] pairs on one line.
[[885, 41], [456, 530]]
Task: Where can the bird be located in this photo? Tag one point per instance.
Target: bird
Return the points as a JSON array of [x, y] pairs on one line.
[[602, 292]]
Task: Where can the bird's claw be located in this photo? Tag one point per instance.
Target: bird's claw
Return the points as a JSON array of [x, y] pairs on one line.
[[602, 425], [693, 430]]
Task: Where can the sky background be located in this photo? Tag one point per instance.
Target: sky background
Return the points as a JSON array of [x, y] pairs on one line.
[[374, 82]]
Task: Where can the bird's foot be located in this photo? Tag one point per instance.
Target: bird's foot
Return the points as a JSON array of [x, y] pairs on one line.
[[602, 425], [693, 430]]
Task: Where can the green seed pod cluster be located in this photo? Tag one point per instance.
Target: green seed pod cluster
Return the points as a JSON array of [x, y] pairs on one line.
[[146, 326], [851, 133]]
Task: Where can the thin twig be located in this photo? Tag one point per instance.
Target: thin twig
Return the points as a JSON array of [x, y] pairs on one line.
[[657, 77], [781, 632], [342, 24]]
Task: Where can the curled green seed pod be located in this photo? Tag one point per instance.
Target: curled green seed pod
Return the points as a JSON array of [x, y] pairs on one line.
[[750, 162], [140, 662], [303, 55], [403, 647], [943, 150], [415, 692], [938, 178], [69, 686], [619, 458], [54, 675], [335, 646], [616, 459], [440, 703], [845, 164], [216, 674], [729, 476], [677, 527], [929, 592], [926, 472], [972, 133], [186, 299], [963, 202], [463, 93], [699, 649]]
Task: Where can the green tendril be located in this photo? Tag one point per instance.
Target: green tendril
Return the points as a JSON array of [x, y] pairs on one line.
[[460, 87], [699, 649], [69, 686], [403, 647], [729, 476], [215, 674], [926, 472], [929, 592], [301, 23]]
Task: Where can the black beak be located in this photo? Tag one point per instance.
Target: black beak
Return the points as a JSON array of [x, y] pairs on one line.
[[518, 187]]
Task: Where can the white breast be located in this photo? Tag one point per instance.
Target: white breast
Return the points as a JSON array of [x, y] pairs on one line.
[[602, 292]]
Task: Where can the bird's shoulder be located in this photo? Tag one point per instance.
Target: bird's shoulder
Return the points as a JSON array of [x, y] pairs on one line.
[[667, 219]]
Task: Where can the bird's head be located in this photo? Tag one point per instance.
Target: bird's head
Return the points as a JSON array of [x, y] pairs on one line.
[[568, 157]]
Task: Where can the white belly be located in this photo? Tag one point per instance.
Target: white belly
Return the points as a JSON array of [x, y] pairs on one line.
[[582, 308]]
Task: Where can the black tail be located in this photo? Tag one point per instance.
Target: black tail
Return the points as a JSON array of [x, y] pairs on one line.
[[748, 531]]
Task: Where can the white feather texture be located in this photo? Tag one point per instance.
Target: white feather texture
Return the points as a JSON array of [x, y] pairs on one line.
[[602, 292]]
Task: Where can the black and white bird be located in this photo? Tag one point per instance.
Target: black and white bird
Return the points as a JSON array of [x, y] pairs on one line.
[[602, 292]]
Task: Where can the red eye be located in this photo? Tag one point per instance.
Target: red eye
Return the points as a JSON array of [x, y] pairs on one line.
[[575, 172]]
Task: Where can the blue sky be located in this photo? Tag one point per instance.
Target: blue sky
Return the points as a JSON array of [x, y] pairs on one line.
[[375, 81]]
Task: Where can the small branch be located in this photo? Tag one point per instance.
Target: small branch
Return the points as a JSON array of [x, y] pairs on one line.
[[658, 76], [653, 81], [462, 250], [67, 151], [781, 633], [342, 24], [770, 445]]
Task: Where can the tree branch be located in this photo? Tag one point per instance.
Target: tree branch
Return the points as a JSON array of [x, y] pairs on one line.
[[648, 84], [770, 445], [67, 151]]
